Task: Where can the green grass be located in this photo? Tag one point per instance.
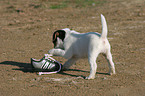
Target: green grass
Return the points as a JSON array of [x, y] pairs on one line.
[[59, 6], [84, 3], [75, 3]]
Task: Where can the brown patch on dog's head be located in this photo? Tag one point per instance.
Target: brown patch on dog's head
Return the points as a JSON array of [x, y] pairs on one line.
[[60, 34]]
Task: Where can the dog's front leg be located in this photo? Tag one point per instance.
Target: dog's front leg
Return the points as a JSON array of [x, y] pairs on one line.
[[69, 63], [92, 56], [57, 52], [93, 68]]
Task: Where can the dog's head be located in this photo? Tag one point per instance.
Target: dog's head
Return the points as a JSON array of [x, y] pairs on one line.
[[58, 38]]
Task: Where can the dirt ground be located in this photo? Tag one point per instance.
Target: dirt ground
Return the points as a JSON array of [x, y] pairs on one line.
[[26, 28]]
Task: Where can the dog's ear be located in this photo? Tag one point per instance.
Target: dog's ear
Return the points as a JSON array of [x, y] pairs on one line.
[[60, 34], [55, 35]]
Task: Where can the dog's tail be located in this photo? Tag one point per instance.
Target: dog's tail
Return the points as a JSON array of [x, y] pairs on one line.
[[104, 27]]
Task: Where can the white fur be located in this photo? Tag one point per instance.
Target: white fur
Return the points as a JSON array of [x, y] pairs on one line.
[[80, 45]]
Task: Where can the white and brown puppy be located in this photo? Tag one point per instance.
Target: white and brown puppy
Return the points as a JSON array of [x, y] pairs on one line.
[[73, 45]]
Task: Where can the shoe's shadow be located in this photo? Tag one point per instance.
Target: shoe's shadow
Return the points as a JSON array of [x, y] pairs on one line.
[[25, 67]]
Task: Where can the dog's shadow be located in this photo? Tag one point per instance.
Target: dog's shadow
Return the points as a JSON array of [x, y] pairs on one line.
[[27, 67], [62, 72]]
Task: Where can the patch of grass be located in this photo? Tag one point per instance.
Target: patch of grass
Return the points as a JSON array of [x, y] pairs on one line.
[[84, 3], [59, 6], [66, 3]]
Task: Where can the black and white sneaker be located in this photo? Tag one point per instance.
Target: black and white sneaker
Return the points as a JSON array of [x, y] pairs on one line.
[[47, 65]]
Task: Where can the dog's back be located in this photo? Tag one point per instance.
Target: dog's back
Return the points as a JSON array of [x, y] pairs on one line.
[[81, 43]]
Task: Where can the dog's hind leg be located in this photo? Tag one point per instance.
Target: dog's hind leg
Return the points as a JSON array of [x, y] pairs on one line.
[[69, 63], [110, 63]]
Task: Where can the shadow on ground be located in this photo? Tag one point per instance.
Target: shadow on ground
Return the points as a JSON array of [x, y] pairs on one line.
[[26, 67]]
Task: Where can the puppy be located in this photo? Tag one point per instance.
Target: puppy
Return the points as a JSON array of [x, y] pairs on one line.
[[73, 45]]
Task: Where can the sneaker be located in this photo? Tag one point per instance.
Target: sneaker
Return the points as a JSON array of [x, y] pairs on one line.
[[46, 64]]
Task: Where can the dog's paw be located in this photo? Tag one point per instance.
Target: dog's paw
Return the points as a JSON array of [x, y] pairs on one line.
[[51, 51], [111, 73], [90, 77], [64, 68]]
